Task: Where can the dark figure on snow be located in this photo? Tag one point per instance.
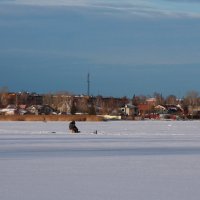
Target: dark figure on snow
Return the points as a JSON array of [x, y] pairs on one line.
[[73, 128]]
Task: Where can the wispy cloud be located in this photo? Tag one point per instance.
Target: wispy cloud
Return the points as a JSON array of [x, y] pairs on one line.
[[49, 2], [149, 8], [185, 1]]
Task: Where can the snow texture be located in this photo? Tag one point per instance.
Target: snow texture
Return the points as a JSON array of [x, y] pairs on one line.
[[125, 160]]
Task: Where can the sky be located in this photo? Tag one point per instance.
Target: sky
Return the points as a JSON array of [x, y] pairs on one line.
[[128, 47]]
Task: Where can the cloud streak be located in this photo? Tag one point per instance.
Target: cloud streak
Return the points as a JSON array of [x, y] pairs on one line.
[[144, 8], [185, 1]]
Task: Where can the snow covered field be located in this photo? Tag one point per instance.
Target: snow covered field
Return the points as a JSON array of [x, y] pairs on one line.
[[132, 160]]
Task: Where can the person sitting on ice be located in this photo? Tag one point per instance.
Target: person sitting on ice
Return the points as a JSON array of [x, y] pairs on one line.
[[72, 127]]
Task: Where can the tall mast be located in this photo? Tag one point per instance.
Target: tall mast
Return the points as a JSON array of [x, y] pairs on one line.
[[88, 84]]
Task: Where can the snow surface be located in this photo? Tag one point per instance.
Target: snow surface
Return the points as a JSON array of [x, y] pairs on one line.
[[126, 160]]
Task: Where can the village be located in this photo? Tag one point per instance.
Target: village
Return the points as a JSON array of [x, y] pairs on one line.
[[137, 108]]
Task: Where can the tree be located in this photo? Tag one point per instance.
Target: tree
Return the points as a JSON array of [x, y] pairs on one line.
[[135, 100], [3, 90], [48, 99], [73, 108], [171, 100], [192, 98], [159, 98], [3, 96], [91, 109]]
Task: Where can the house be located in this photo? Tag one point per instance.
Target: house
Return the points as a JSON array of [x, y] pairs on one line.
[[41, 110], [22, 110], [46, 110], [174, 109], [129, 110], [160, 109], [34, 99], [143, 109], [33, 109], [151, 101], [9, 110]]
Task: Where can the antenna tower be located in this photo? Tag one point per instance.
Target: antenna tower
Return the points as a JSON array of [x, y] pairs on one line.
[[88, 84]]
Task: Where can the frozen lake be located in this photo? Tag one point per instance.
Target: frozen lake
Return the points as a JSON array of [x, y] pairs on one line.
[[126, 160]]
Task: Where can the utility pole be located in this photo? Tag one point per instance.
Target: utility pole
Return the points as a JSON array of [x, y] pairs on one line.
[[88, 84]]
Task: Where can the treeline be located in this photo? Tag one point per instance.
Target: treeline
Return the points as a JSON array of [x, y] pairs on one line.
[[67, 103]]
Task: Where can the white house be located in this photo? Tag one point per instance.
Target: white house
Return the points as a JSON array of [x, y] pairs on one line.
[[129, 110], [9, 110]]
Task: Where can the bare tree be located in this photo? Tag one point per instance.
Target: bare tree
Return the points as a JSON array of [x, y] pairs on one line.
[[159, 98], [192, 98], [48, 99], [171, 100], [3, 96]]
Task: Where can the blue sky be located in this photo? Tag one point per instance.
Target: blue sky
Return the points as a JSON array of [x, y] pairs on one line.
[[128, 47]]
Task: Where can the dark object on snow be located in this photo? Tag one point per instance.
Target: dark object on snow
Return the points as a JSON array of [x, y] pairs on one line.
[[73, 128]]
